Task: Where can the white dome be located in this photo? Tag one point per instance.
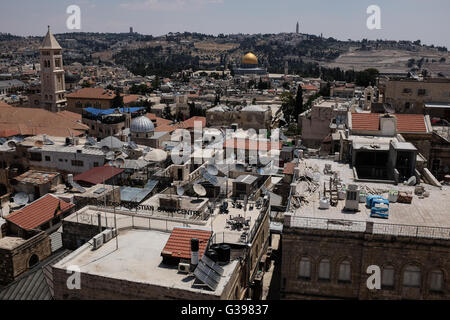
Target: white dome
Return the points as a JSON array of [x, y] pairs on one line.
[[142, 125]]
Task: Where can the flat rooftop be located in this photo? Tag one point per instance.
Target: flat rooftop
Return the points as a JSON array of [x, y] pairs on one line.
[[426, 213], [138, 259], [10, 243]]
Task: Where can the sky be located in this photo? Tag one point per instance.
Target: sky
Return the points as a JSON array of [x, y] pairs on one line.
[[344, 19]]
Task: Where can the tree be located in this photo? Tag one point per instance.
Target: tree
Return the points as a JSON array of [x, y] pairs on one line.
[[298, 106], [117, 101], [326, 90], [287, 104]]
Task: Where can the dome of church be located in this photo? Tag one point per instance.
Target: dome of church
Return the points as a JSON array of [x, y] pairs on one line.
[[250, 58], [142, 125]]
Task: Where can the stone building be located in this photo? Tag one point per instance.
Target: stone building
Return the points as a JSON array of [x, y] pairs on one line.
[[250, 117], [431, 96], [326, 253], [53, 90]]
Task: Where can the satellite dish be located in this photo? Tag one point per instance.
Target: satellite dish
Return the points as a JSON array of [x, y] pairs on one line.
[[21, 199], [156, 155], [119, 162], [240, 167], [39, 144], [133, 145], [212, 170], [11, 144], [260, 171], [92, 141], [48, 141], [180, 191], [110, 156], [105, 149], [199, 190]]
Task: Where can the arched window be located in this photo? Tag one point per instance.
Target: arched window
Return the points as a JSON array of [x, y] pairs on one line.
[[436, 280], [345, 271], [412, 277], [34, 260], [305, 268], [387, 277], [324, 269]]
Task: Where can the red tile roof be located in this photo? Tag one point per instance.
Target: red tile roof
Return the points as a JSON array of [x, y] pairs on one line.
[[34, 121], [366, 121], [411, 123], [39, 212], [187, 124], [405, 122], [179, 243], [98, 175]]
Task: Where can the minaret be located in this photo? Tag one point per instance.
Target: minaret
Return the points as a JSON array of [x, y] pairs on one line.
[[297, 28], [286, 68], [53, 88]]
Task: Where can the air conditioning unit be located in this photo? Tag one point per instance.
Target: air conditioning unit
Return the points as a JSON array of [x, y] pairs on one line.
[[97, 241], [184, 267], [114, 232], [107, 235]]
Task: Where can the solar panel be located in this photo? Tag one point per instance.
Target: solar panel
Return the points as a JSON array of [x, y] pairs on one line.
[[99, 190], [209, 272], [78, 187], [213, 180], [212, 265], [205, 279]]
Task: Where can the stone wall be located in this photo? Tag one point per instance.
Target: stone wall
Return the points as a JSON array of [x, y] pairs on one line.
[[361, 250], [16, 261]]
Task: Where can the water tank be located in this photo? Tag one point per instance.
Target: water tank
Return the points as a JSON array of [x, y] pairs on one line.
[[224, 254], [215, 247], [194, 251], [213, 255]]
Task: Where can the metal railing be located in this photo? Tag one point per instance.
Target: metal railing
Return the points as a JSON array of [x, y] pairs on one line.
[[413, 231]]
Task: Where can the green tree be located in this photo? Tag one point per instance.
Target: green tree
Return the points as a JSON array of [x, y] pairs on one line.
[[117, 101], [298, 106]]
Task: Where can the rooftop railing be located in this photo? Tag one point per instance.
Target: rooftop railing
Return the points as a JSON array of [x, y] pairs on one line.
[[424, 232]]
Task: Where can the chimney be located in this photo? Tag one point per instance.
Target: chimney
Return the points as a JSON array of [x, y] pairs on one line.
[[388, 125], [194, 253], [70, 179]]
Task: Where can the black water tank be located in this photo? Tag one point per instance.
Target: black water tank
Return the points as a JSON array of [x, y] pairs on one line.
[[215, 247], [194, 245], [213, 255], [224, 254]]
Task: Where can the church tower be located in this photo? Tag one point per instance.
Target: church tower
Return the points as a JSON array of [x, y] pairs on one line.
[[53, 88]]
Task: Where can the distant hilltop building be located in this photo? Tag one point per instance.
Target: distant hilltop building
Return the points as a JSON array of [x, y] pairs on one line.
[[131, 30], [52, 95], [249, 66]]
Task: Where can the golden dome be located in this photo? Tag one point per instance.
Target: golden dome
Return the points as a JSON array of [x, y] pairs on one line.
[[250, 58]]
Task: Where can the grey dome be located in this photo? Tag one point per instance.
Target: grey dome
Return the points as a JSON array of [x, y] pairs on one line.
[[142, 124]]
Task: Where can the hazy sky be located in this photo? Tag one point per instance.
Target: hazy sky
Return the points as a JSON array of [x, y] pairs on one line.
[[343, 19]]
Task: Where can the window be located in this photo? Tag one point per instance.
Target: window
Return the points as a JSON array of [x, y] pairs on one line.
[[407, 105], [95, 164], [407, 90], [34, 156], [421, 92], [345, 271], [387, 277], [305, 268], [436, 281], [47, 158], [77, 163], [324, 269], [412, 277]]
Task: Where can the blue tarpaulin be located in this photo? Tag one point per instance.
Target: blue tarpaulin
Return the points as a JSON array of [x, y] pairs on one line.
[[100, 112]]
